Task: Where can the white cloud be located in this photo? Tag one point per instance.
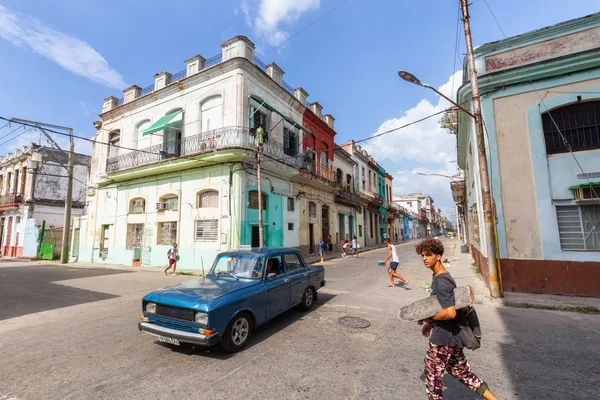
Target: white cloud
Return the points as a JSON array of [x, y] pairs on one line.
[[69, 52], [272, 14], [424, 147]]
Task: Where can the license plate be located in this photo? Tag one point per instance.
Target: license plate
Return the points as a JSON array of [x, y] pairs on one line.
[[169, 340]]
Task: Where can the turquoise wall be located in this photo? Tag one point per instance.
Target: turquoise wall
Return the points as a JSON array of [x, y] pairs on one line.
[[272, 220]]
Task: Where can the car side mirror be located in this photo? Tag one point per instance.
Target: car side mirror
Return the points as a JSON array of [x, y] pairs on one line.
[[271, 275]]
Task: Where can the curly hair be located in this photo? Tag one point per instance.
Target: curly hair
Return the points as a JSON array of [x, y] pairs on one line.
[[433, 245]]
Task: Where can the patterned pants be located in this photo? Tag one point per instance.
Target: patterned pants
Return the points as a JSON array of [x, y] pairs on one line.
[[451, 359]]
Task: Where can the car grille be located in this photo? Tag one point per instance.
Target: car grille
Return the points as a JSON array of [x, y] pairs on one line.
[[172, 312], [172, 324]]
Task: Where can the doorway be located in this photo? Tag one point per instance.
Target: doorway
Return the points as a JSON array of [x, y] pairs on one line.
[[325, 222], [311, 238]]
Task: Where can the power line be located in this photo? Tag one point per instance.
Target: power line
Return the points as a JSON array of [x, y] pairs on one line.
[[11, 132], [14, 137], [306, 27], [564, 139]]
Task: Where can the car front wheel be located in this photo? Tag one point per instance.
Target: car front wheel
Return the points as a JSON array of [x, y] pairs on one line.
[[308, 298], [238, 333]]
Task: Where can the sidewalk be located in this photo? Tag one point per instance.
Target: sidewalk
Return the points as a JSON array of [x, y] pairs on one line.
[[463, 271]]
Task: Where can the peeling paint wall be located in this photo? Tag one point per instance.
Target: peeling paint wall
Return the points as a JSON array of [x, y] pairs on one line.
[[564, 45]]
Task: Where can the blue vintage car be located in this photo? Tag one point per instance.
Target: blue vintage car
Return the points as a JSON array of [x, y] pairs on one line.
[[242, 290]]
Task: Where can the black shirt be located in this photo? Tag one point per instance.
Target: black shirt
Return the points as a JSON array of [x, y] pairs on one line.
[[444, 333]]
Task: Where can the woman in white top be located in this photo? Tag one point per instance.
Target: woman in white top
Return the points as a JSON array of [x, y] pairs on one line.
[[393, 254], [173, 255]]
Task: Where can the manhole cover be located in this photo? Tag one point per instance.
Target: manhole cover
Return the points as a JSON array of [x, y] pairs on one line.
[[354, 322]]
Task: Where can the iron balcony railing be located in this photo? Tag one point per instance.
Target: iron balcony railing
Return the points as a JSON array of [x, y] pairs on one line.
[[11, 198], [347, 197], [219, 139]]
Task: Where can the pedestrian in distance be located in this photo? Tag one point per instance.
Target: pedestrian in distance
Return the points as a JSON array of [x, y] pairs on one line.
[[329, 243], [321, 248], [355, 247], [396, 238], [445, 351], [393, 254], [173, 255]]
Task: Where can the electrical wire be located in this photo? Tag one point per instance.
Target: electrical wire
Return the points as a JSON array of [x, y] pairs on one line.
[[11, 132], [14, 137], [564, 139], [306, 27]]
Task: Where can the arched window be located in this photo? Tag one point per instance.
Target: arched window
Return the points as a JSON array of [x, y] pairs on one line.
[[114, 140], [253, 200], [139, 140], [579, 123], [324, 153], [212, 113], [312, 209], [168, 202], [137, 206], [208, 199], [338, 176]]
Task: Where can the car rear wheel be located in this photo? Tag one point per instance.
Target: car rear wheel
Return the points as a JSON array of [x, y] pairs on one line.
[[238, 333], [308, 298]]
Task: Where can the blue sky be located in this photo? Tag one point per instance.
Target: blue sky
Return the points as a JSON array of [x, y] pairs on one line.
[[60, 58]]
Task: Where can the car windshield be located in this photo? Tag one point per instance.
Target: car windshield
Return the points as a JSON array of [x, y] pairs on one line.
[[247, 266]]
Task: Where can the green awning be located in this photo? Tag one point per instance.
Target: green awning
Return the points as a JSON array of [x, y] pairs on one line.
[[269, 107], [584, 185], [160, 124]]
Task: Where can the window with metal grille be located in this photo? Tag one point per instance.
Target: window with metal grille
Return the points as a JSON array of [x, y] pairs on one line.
[[360, 230], [253, 200], [208, 198], [579, 123], [312, 209], [170, 203], [167, 232], [135, 236], [137, 206], [585, 192], [207, 230], [291, 204], [579, 227], [290, 226]]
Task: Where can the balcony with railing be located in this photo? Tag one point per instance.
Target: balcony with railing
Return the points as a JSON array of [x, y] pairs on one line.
[[11, 200], [232, 137], [348, 194]]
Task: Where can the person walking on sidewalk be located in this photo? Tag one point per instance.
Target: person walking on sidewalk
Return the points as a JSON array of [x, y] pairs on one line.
[[393, 254], [173, 255], [321, 248], [355, 247], [445, 345]]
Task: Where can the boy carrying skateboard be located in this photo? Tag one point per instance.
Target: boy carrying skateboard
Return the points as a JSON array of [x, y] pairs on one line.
[[445, 346], [393, 254]]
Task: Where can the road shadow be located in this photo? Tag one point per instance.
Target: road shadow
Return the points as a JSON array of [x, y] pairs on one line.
[[259, 335], [551, 354], [30, 289]]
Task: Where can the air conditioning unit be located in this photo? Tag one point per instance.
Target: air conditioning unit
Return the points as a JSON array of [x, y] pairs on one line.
[[159, 206]]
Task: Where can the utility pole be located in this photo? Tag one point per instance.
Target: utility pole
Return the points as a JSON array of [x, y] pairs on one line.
[[64, 255], [490, 232], [261, 233]]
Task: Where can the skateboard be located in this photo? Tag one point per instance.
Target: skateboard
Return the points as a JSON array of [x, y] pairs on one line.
[[429, 307]]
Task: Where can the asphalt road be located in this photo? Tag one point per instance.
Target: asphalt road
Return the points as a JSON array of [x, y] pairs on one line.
[[92, 349]]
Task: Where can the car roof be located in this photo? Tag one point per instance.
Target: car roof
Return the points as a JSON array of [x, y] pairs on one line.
[[262, 251]]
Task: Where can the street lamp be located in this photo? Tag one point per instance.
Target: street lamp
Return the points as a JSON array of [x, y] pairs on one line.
[[495, 284], [453, 178], [408, 77]]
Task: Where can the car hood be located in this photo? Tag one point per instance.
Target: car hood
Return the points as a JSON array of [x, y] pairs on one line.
[[198, 293]]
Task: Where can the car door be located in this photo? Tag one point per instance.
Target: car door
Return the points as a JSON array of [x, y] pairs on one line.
[[296, 271], [277, 287]]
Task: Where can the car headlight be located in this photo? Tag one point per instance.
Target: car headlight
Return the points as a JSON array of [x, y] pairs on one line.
[[151, 308], [202, 318]]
